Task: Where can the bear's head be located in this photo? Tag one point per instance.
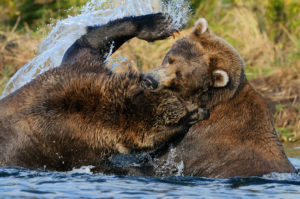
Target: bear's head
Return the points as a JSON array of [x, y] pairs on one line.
[[200, 65]]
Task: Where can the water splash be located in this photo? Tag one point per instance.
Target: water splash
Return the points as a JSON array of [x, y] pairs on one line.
[[282, 176], [95, 12], [83, 169], [173, 165]]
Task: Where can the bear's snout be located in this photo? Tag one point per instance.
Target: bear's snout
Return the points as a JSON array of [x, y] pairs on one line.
[[205, 113], [149, 82], [159, 78]]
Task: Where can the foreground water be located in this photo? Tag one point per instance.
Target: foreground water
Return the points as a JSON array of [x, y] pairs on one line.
[[16, 182]]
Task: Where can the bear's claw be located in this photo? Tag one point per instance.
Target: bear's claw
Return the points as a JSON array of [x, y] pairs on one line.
[[158, 26]]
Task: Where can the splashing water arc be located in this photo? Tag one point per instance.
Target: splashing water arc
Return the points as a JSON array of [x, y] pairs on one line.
[[95, 12]]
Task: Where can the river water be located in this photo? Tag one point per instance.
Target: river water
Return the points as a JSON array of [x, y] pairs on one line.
[[16, 182]]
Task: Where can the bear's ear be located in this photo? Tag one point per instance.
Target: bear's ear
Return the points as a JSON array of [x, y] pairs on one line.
[[221, 78], [200, 27]]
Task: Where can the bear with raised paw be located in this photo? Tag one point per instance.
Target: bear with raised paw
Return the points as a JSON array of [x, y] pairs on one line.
[[81, 112]]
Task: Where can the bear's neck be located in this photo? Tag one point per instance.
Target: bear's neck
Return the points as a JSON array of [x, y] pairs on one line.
[[217, 96], [239, 132]]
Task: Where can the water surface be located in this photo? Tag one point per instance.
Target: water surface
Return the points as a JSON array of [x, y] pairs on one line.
[[16, 182]]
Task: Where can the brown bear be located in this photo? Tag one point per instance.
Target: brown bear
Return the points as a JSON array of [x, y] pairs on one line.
[[239, 138], [81, 112]]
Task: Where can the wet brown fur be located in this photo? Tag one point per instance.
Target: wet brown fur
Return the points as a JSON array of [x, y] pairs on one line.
[[81, 113], [239, 138]]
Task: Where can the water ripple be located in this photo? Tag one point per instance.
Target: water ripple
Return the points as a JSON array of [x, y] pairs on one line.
[[23, 183]]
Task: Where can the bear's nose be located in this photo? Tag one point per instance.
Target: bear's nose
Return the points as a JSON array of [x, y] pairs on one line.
[[206, 114], [150, 83]]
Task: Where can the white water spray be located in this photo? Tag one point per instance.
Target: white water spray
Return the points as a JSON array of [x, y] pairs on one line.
[[95, 12], [82, 170], [173, 165]]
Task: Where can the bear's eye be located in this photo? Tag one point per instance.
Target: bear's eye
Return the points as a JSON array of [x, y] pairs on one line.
[[171, 60], [213, 62], [178, 75]]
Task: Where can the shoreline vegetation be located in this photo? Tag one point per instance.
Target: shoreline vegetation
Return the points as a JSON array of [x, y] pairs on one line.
[[265, 33]]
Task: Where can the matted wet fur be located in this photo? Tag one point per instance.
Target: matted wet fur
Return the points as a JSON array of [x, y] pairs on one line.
[[81, 112], [239, 138]]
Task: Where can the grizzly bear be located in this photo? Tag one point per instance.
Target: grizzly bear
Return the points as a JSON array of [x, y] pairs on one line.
[[81, 112], [239, 138]]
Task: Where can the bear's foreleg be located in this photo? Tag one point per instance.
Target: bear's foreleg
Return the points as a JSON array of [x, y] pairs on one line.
[[106, 39]]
